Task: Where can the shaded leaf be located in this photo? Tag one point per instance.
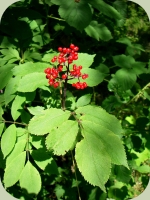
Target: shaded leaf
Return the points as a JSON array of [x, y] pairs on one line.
[[76, 14], [126, 78], [98, 31], [5, 75], [124, 61]]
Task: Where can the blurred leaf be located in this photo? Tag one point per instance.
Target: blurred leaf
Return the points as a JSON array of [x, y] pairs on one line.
[[76, 14], [98, 31], [124, 61], [126, 78]]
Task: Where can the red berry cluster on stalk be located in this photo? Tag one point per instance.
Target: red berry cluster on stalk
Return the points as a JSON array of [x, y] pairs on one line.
[[64, 59]]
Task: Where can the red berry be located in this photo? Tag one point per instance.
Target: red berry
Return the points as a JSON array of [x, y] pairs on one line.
[[75, 57], [48, 76], [64, 76], [59, 49], [56, 84], [60, 68], [76, 48], [72, 46], [51, 81], [64, 50], [47, 70], [84, 84], [74, 67], [53, 60]]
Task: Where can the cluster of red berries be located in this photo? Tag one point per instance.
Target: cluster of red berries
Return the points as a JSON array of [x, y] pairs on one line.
[[66, 57], [66, 54], [52, 75]]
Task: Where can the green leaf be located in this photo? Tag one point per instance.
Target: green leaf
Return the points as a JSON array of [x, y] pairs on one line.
[[48, 56], [102, 68], [49, 119], [124, 61], [110, 141], [1, 128], [84, 100], [8, 140], [41, 158], [16, 105], [31, 56], [10, 53], [5, 75], [92, 160], [124, 41], [31, 82], [36, 110], [76, 14], [122, 174], [14, 169], [126, 78], [6, 42], [37, 141], [25, 117], [11, 88], [30, 179], [18, 149], [29, 67], [61, 139], [98, 31], [94, 78], [100, 116], [105, 8], [2, 161], [85, 60], [143, 169], [139, 68], [1, 113]]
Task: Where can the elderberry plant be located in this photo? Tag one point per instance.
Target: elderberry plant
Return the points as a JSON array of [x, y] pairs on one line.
[[92, 135]]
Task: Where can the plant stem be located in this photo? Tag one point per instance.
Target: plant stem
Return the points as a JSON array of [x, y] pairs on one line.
[[139, 94], [11, 122], [64, 94], [56, 18], [74, 165]]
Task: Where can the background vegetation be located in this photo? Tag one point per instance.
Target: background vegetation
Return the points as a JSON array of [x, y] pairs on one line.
[[117, 32]]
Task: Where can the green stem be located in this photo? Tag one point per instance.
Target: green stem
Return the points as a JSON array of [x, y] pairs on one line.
[[11, 122], [74, 165], [56, 18], [139, 94]]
